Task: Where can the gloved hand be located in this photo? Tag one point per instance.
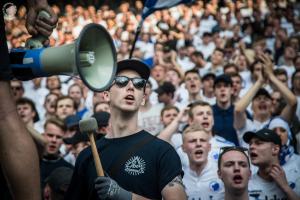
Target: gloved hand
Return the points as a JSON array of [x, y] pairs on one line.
[[109, 189]]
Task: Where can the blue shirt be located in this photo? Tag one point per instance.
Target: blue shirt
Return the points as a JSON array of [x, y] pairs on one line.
[[223, 125]]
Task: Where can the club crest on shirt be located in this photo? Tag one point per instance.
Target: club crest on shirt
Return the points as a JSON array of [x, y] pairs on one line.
[[135, 166], [214, 186]]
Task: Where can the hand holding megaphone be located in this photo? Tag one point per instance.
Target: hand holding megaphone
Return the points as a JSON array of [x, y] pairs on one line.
[[38, 40], [92, 56]]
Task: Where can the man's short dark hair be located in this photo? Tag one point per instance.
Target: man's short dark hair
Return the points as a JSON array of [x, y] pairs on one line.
[[233, 148], [195, 104], [192, 71], [66, 97], [23, 101], [280, 71], [198, 54], [229, 65], [168, 107], [56, 121]]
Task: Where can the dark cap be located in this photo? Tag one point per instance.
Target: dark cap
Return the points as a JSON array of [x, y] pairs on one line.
[[264, 134], [166, 87], [59, 179], [76, 138], [71, 121], [263, 92], [136, 65], [208, 75], [102, 118], [224, 78]]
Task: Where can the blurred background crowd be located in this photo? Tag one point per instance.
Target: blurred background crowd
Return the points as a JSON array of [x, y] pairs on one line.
[[192, 50]]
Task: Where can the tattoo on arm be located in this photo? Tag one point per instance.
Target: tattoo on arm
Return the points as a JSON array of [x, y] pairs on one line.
[[176, 180]]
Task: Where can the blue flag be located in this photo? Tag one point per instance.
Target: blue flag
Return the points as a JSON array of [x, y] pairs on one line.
[[154, 5]]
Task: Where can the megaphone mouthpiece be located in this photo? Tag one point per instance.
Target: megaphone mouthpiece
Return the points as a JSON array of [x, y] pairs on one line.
[[87, 58]]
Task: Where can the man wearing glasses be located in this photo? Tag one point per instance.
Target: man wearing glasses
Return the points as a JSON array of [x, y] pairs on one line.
[[270, 181], [234, 171], [137, 164]]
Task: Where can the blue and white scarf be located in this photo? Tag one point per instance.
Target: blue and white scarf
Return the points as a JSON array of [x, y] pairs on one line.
[[287, 150]]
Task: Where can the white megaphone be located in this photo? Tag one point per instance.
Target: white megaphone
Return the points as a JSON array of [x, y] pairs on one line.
[[92, 56]]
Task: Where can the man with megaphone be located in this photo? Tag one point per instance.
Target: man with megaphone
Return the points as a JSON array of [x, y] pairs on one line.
[[18, 155], [137, 164]]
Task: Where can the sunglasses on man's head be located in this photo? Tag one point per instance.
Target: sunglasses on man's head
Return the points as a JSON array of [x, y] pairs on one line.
[[233, 148], [223, 150], [122, 81]]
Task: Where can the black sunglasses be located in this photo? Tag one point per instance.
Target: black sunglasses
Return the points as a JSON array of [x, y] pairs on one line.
[[122, 81]]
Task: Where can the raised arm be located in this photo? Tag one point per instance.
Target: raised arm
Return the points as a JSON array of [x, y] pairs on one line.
[[288, 111], [241, 106], [167, 132]]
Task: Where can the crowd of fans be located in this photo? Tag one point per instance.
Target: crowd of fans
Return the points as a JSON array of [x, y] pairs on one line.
[[230, 66]]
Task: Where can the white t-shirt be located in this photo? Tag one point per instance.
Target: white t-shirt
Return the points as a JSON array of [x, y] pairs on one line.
[[205, 186], [250, 126], [292, 172], [216, 143], [150, 120], [260, 189]]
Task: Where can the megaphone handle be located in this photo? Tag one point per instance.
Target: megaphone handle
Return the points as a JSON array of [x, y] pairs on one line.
[[38, 40]]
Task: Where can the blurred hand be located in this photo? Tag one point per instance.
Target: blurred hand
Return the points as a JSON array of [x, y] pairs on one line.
[[183, 115], [278, 175], [40, 25], [267, 64]]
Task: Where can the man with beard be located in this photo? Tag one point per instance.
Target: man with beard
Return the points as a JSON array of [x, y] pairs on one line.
[[234, 171]]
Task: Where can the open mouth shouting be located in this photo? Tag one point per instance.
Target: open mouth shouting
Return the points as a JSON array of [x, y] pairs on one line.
[[129, 99], [237, 179]]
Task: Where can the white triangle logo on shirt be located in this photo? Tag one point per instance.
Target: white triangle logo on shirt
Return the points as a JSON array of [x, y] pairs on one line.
[[135, 166]]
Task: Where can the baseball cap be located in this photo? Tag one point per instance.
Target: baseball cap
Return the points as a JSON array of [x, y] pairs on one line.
[[76, 138], [224, 78], [71, 121], [59, 179], [208, 75], [263, 92], [102, 118], [264, 134], [136, 65], [166, 87]]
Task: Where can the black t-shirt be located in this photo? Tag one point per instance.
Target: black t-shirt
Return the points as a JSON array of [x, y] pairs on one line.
[[48, 165], [145, 172]]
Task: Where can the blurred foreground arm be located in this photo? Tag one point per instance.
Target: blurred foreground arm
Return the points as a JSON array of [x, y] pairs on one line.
[[18, 154]]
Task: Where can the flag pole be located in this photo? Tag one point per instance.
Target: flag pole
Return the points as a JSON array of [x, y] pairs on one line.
[[138, 31]]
